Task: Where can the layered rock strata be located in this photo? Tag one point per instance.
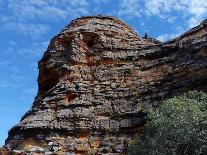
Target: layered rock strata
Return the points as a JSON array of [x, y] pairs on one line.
[[98, 80]]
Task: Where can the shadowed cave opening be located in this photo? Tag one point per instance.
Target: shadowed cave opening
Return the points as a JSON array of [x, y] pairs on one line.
[[47, 79], [89, 38]]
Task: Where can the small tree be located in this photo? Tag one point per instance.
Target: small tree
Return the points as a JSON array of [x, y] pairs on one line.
[[178, 127], [146, 35]]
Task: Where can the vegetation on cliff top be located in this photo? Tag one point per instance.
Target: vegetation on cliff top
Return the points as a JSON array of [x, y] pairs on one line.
[[178, 127]]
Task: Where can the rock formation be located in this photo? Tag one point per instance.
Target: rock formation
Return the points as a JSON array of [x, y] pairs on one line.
[[98, 80]]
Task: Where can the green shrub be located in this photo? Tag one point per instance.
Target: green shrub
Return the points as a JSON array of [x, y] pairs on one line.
[[177, 127]]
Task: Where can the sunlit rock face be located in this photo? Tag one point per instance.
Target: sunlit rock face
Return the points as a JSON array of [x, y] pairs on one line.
[[98, 80]]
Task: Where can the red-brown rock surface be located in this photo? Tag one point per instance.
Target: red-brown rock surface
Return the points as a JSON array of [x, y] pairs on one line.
[[98, 79]]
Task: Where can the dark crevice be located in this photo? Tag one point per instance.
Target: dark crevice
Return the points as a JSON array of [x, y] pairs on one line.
[[47, 79], [89, 38]]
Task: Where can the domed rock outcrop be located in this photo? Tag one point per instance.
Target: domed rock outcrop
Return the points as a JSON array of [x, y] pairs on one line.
[[98, 80]]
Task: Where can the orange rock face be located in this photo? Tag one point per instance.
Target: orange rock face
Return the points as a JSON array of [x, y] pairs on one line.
[[98, 80]]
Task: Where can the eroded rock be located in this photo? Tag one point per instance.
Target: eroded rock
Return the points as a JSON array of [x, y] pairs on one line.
[[98, 80]]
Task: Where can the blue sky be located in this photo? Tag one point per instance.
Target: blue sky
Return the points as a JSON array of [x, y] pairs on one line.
[[28, 25]]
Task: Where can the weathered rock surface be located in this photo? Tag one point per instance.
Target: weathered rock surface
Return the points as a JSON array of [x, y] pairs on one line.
[[97, 81]]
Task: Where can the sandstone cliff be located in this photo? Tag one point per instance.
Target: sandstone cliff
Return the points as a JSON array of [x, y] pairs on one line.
[[97, 81]]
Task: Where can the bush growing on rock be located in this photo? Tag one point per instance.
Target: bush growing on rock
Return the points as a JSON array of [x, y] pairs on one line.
[[178, 127]]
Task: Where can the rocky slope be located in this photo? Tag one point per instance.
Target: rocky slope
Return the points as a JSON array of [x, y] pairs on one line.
[[97, 81]]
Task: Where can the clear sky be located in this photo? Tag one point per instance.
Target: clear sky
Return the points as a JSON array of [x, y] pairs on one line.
[[26, 27]]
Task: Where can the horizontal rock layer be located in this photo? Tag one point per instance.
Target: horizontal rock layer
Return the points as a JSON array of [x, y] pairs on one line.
[[98, 80]]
